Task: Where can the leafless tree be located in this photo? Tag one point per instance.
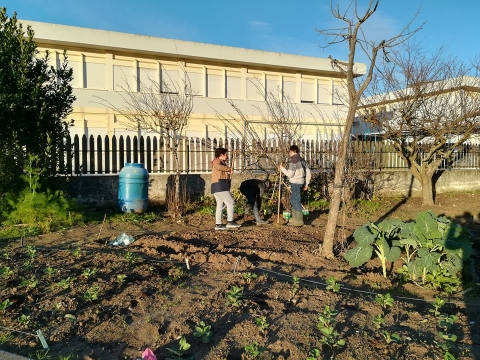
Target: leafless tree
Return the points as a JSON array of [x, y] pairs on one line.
[[427, 106], [160, 107], [352, 33]]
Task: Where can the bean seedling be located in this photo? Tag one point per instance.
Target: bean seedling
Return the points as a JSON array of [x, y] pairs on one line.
[[234, 296], [253, 350], [332, 284], [203, 331]]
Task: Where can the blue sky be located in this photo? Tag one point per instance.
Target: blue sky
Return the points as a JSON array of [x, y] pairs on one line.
[[280, 25]]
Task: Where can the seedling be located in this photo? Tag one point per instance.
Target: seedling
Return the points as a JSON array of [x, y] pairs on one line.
[[121, 278], [5, 304], [295, 285], [31, 251], [330, 337], [332, 284], [76, 253], [437, 304], [5, 337], [248, 276], [262, 323], [49, 272], [326, 318], [130, 258], [253, 350], [203, 331], [65, 283], [234, 296], [42, 355], [183, 346], [446, 322], [378, 321], [24, 320], [30, 283], [313, 355], [390, 337], [88, 273], [6, 272], [91, 294], [384, 300]]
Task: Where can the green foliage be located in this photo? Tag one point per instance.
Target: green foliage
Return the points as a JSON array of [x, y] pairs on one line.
[[91, 294], [390, 337], [234, 296], [384, 300], [254, 350], [248, 276], [206, 205], [35, 100], [435, 248], [5, 337], [65, 283], [24, 320], [49, 272], [203, 331], [295, 285], [88, 273], [30, 283], [367, 207], [6, 272], [262, 323], [381, 238], [131, 258], [437, 304], [313, 355], [329, 336], [378, 321], [121, 278], [5, 304], [332, 284], [76, 253], [183, 346]]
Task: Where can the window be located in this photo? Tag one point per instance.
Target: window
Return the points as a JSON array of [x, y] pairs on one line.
[[215, 87], [169, 80], [233, 85], [324, 92], [307, 92], [196, 79], [289, 89], [94, 75], [255, 88]]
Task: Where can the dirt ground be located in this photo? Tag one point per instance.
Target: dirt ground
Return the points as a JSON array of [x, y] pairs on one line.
[[145, 295]]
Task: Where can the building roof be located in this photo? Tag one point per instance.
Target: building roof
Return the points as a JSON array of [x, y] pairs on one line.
[[74, 36]]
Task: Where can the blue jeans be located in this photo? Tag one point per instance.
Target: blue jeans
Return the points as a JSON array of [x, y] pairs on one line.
[[296, 199]]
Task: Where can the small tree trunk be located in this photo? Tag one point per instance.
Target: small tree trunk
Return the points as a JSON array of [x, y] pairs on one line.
[[427, 190], [177, 209]]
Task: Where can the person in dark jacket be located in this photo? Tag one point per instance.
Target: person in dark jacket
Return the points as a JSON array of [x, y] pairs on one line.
[[220, 189], [253, 189]]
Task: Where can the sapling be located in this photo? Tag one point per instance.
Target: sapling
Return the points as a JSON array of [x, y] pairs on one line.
[[5, 337], [130, 258], [203, 331], [65, 283], [332, 284]]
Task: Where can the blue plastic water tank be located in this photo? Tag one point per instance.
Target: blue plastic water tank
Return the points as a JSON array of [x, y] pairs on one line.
[[133, 188]]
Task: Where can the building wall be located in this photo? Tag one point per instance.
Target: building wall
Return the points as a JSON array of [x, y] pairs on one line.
[[106, 63]]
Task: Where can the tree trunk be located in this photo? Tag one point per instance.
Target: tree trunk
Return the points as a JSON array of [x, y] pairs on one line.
[[427, 190], [177, 211]]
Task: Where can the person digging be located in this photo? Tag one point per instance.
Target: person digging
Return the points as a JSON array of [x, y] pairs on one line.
[[253, 189], [299, 174]]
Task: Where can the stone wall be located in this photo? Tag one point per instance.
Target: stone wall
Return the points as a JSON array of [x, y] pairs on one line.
[[102, 191]]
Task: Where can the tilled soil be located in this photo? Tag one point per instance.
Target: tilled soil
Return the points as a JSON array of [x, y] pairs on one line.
[[155, 291]]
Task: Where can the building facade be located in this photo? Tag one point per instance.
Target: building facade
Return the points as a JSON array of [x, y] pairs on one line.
[[105, 63]]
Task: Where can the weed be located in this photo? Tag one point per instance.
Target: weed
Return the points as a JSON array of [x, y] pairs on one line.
[[88, 273], [332, 284], [5, 304], [384, 300], [262, 323], [203, 331], [295, 285], [183, 346], [234, 296], [390, 337], [67, 357], [91, 294], [248, 276], [42, 355], [378, 321], [438, 303], [253, 350], [177, 273]]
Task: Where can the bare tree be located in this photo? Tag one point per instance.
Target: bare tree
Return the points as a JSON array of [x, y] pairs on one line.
[[427, 107], [160, 107], [351, 32]]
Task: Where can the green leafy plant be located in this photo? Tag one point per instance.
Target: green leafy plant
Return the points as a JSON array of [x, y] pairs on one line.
[[183, 346], [131, 258], [248, 276], [6, 272], [31, 251], [378, 321], [49, 272], [88, 273], [234, 296], [42, 355], [381, 238], [254, 350], [24, 320], [203, 331], [437, 305], [262, 323], [5, 337], [65, 283], [384, 301], [76, 253], [390, 337], [314, 354], [330, 337], [447, 338], [121, 278], [332, 284], [30, 283], [91, 294], [295, 285], [5, 304]]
